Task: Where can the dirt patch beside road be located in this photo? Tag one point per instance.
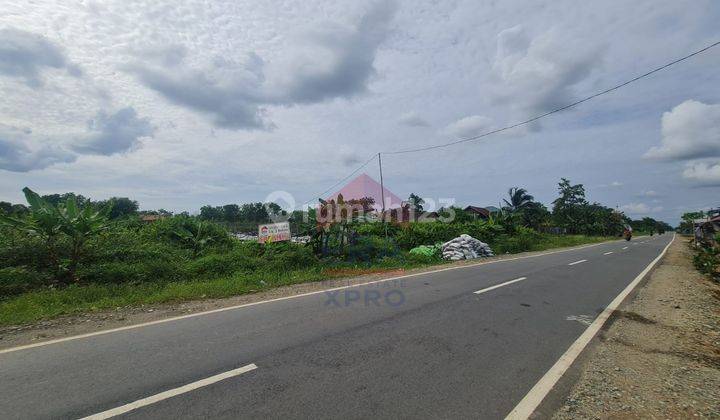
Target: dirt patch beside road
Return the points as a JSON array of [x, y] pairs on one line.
[[660, 356]]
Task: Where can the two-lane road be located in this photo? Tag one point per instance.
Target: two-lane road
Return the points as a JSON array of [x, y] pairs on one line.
[[466, 342]]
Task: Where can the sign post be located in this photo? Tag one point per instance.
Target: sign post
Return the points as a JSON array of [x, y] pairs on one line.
[[274, 232]]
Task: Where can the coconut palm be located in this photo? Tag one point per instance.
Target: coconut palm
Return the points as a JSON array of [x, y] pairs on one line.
[[519, 199]]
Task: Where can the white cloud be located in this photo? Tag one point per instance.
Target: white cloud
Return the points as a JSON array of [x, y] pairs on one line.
[[468, 126], [649, 193], [116, 133], [413, 119], [539, 74], [335, 62], [22, 151], [691, 130], [703, 173], [616, 184], [24, 55], [639, 209], [19, 153]]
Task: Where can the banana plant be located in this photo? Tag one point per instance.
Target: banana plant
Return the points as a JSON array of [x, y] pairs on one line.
[[51, 223], [195, 236]]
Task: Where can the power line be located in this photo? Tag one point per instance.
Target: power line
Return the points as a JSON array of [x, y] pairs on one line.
[[554, 111], [525, 122]]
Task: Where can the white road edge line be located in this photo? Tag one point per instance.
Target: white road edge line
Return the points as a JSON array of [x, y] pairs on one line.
[[577, 262], [608, 253], [170, 393], [537, 394], [487, 289], [230, 308]]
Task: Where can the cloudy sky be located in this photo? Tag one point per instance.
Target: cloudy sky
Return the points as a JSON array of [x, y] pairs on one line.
[[183, 103]]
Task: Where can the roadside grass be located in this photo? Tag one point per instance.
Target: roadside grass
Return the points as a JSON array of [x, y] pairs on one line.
[[51, 303]]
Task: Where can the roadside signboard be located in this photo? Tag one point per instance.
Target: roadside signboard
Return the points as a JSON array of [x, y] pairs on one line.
[[274, 232]]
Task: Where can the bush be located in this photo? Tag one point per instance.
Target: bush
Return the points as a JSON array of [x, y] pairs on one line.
[[371, 248], [116, 272], [17, 280], [707, 261], [523, 240], [286, 256], [221, 265], [172, 230]]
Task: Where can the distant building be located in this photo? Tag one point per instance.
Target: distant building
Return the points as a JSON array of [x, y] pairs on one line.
[[149, 218], [478, 212]]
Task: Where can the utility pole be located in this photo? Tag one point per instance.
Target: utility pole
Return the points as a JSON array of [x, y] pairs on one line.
[[382, 194]]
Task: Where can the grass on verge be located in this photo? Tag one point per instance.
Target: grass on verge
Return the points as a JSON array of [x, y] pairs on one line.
[[46, 304]]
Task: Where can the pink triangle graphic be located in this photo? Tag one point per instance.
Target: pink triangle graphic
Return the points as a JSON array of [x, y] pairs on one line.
[[364, 186]]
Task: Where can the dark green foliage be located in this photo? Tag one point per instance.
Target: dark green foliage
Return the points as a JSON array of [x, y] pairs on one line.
[[371, 249], [707, 260], [16, 280]]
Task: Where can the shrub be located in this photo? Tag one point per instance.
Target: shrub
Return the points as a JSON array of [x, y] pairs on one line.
[[707, 261], [116, 272], [287, 256], [371, 248], [523, 240], [16, 280], [221, 265]]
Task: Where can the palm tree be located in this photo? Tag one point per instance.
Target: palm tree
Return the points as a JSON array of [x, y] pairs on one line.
[[519, 199]]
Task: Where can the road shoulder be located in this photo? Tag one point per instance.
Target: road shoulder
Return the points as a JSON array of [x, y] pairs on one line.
[[658, 357]]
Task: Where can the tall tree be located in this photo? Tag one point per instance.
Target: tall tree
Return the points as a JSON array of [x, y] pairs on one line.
[[519, 199], [416, 203], [568, 208]]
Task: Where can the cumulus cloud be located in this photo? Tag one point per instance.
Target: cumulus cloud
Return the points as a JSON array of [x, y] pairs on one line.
[[106, 134], [338, 63], [413, 119], [24, 55], [468, 127], [18, 153], [347, 58], [540, 74], [703, 173], [116, 133], [691, 130], [639, 209]]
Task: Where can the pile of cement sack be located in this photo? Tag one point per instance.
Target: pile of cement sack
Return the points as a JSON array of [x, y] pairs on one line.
[[465, 247]]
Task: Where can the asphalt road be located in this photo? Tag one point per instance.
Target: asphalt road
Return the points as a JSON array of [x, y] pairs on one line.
[[425, 346]]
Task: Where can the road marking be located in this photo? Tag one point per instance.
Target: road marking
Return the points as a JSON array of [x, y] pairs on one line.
[[608, 253], [230, 308], [487, 289], [170, 393], [625, 247], [577, 262], [537, 394]]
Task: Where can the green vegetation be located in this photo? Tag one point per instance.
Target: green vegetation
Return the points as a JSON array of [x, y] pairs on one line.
[[64, 254]]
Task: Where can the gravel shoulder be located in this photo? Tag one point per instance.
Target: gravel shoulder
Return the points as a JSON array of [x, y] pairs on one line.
[[660, 356], [71, 325]]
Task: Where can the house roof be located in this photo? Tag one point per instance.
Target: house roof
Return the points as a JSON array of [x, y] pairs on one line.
[[364, 186], [478, 210]]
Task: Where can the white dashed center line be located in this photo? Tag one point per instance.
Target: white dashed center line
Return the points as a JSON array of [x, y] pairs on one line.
[[624, 247], [608, 253], [170, 393], [577, 262], [487, 289]]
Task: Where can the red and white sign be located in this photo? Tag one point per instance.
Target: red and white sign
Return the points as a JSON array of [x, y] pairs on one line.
[[274, 232]]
